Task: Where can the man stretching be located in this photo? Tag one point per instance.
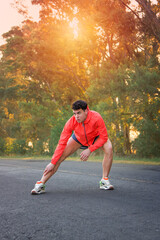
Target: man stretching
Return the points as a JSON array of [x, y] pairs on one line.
[[89, 134]]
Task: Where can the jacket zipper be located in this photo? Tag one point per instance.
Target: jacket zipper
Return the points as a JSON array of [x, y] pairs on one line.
[[85, 134]]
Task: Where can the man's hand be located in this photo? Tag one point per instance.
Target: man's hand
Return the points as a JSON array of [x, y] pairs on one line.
[[48, 169], [85, 154]]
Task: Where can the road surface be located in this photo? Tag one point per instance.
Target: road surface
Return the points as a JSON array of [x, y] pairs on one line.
[[74, 208]]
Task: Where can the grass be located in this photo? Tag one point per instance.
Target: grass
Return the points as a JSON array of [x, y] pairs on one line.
[[92, 158], [123, 160], [137, 160]]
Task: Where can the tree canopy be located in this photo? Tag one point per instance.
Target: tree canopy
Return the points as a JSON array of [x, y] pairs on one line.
[[105, 52]]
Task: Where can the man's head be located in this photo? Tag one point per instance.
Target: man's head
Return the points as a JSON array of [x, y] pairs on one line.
[[80, 104], [80, 110]]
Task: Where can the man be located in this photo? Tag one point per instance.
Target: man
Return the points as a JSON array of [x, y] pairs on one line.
[[89, 134]]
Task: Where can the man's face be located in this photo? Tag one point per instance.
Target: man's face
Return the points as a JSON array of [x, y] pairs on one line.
[[80, 115]]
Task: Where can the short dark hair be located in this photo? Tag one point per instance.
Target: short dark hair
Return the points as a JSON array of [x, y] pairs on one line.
[[80, 104]]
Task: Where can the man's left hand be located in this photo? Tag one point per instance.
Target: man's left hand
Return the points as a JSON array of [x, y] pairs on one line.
[[85, 154]]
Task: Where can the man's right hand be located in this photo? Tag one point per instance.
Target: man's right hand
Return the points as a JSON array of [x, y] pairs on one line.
[[48, 168]]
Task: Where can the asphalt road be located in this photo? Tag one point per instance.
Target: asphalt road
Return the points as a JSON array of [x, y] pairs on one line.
[[74, 208]]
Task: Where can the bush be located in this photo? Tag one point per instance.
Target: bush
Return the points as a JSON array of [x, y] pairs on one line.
[[19, 146], [147, 143], [2, 146]]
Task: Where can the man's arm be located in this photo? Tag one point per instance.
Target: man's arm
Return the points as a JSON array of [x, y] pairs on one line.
[[65, 135]]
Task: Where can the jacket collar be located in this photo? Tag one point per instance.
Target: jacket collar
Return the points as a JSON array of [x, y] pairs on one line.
[[88, 116]]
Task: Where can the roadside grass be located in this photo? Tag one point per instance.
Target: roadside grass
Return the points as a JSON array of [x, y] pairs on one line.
[[92, 158], [137, 160], [123, 160]]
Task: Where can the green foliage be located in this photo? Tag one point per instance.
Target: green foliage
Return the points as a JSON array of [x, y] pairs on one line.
[[113, 63], [38, 147], [58, 123], [2, 146], [19, 146], [112, 101], [144, 91], [148, 142]]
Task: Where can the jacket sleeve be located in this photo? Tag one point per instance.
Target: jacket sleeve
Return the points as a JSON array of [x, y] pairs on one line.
[[103, 135], [65, 135]]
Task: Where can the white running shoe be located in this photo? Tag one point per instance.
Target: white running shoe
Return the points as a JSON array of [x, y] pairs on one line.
[[105, 184], [38, 188]]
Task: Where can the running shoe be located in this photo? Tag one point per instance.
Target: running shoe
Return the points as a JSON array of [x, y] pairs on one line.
[[38, 188], [105, 184]]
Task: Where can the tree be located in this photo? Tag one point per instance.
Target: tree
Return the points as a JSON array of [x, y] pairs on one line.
[[112, 101], [43, 73], [145, 105], [114, 56]]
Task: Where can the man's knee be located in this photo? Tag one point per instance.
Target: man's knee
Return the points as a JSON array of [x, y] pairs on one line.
[[107, 147], [72, 146]]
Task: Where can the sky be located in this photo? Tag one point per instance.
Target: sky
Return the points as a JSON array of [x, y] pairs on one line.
[[9, 15]]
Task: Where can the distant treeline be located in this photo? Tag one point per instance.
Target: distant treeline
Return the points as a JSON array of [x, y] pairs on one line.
[[105, 52]]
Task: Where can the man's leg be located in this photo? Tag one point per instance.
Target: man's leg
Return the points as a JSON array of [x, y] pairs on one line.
[[72, 146], [106, 165], [108, 158]]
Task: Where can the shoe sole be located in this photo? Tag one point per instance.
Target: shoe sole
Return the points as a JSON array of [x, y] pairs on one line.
[[105, 188], [37, 193]]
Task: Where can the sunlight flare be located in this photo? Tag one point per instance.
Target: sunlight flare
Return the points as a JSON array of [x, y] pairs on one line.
[[74, 25]]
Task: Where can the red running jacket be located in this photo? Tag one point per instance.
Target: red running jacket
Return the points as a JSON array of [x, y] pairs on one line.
[[85, 133]]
